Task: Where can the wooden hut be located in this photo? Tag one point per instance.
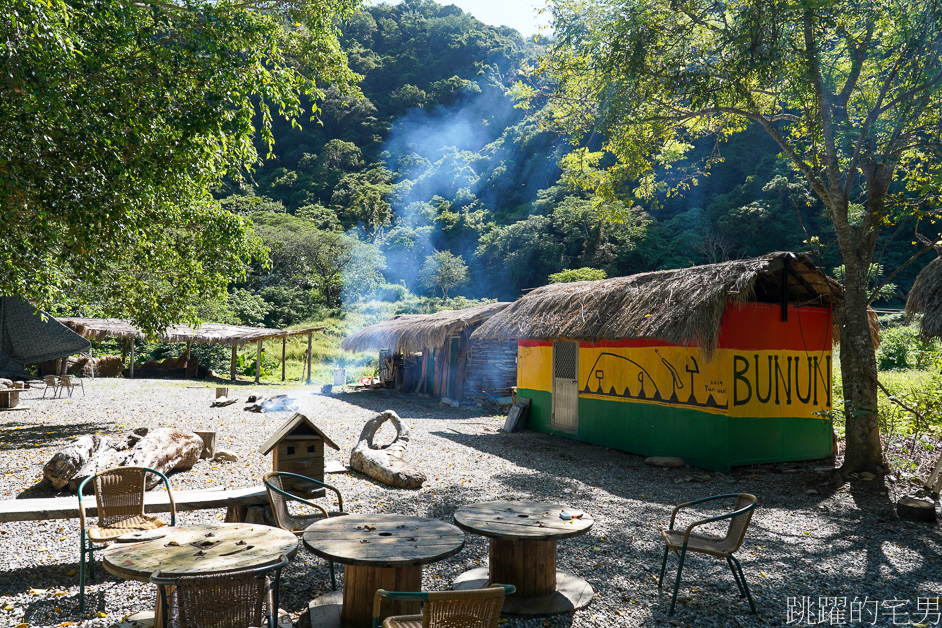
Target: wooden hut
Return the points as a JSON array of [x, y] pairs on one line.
[[724, 364], [433, 353], [298, 447]]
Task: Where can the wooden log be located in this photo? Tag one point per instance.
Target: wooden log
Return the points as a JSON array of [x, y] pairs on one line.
[[165, 449], [258, 361], [66, 462], [310, 340], [209, 444], [387, 464]]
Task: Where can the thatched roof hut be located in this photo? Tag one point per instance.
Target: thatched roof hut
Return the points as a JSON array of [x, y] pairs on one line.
[[214, 333], [414, 333], [683, 306], [926, 297]]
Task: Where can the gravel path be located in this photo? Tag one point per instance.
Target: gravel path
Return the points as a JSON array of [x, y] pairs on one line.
[[847, 545]]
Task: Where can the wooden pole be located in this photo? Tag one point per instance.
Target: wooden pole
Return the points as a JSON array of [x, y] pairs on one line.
[[187, 355], [310, 337], [284, 347], [91, 360], [124, 351], [258, 361], [132, 358], [232, 364]]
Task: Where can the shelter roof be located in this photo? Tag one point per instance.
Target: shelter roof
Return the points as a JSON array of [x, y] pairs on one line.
[[215, 333], [297, 420], [412, 333], [926, 297], [680, 306]]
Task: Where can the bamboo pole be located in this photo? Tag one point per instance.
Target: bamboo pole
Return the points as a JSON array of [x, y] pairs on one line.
[[232, 364], [284, 348], [310, 339], [258, 361]]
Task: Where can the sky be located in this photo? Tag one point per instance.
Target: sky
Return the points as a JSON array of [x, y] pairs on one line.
[[519, 14]]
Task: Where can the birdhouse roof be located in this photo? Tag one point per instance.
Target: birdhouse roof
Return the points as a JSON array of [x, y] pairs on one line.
[[297, 423]]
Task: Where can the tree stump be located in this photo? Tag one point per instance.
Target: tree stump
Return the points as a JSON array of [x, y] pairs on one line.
[[916, 509]]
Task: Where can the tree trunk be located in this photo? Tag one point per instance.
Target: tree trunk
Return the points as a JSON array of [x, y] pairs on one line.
[[859, 371]]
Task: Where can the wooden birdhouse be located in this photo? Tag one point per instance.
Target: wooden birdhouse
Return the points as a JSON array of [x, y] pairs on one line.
[[298, 447]]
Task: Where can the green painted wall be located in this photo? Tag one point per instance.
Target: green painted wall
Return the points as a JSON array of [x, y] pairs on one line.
[[710, 441]]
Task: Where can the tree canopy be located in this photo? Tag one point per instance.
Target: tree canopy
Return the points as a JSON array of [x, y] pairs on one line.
[[850, 94], [115, 121]]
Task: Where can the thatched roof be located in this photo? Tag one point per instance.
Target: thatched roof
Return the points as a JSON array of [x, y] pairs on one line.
[[682, 306], [412, 333], [215, 333], [926, 297]]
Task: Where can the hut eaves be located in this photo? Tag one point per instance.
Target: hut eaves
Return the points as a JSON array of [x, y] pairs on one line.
[[214, 333], [926, 296], [682, 306], [413, 333]]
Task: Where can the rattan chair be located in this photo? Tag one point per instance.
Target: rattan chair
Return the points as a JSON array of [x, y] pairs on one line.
[[234, 599], [472, 608], [65, 381], [51, 382], [119, 495], [686, 540], [278, 497]]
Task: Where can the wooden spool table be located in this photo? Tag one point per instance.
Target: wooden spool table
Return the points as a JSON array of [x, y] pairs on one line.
[[208, 548], [523, 538], [380, 552]]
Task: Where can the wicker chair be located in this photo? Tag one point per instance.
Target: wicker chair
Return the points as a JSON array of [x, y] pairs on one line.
[[472, 608], [119, 495], [51, 382], [65, 381], [278, 497], [683, 541], [234, 599]]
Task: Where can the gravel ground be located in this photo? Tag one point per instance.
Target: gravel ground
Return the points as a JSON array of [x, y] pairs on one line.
[[806, 542]]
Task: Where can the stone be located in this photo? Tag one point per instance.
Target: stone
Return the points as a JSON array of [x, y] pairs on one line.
[[811, 491], [700, 477], [386, 464], [867, 476], [909, 507], [664, 461], [225, 456]]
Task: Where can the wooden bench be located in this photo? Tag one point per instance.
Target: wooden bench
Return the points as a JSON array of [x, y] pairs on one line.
[[236, 501]]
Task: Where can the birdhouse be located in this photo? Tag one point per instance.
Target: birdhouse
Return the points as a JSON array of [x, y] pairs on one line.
[[298, 447]]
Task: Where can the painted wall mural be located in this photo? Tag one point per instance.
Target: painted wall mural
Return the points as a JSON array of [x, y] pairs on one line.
[[763, 366]]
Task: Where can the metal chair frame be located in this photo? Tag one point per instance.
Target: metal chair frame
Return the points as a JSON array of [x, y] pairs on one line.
[[66, 381], [278, 491], [422, 596], [51, 382], [731, 561], [86, 546], [169, 583]]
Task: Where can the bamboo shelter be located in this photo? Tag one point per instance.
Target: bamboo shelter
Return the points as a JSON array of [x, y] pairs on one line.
[[723, 364], [433, 353], [234, 336]]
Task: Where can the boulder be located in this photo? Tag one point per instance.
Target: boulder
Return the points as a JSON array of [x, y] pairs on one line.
[[387, 463]]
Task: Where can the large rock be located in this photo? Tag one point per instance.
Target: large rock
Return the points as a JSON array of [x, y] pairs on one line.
[[387, 463]]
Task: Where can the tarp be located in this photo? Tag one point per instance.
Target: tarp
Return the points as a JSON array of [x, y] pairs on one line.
[[28, 336]]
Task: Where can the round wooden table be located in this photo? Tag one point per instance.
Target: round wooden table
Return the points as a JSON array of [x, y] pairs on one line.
[[380, 552], [523, 538], [208, 548]]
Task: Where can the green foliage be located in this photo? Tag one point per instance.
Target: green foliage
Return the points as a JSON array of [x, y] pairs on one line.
[[577, 274], [902, 347], [117, 119], [443, 270]]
